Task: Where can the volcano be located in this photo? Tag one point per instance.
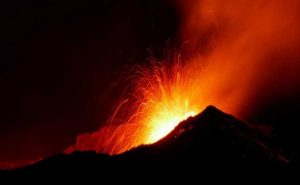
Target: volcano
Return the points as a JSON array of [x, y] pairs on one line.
[[208, 144]]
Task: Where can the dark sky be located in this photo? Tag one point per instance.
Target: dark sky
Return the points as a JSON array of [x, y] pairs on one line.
[[60, 64]]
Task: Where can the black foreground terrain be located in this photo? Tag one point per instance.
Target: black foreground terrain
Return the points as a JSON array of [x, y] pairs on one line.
[[210, 144]]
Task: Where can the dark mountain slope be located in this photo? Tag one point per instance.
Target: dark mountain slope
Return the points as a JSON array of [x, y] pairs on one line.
[[210, 144]]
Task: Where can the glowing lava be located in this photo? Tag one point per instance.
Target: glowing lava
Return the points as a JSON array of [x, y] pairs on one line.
[[163, 98], [160, 96], [163, 125]]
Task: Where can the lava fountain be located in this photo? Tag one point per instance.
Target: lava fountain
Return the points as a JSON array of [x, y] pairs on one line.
[[161, 94]]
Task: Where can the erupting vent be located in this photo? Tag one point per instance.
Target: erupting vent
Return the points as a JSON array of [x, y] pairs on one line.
[[227, 48]]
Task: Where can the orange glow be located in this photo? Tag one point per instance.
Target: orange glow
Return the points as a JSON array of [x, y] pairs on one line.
[[164, 90], [248, 48], [165, 123], [160, 98], [236, 56]]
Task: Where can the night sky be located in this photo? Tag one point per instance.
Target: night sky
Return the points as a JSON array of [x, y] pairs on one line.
[[61, 63], [62, 66]]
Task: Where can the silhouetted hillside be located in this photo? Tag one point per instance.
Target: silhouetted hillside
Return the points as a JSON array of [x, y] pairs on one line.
[[209, 144]]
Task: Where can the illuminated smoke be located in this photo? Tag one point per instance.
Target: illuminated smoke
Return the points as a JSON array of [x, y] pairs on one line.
[[248, 48]]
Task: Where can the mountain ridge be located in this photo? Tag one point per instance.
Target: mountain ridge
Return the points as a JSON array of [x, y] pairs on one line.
[[212, 142]]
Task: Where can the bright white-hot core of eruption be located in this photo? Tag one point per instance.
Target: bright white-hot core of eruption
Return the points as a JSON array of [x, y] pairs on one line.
[[163, 125]]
